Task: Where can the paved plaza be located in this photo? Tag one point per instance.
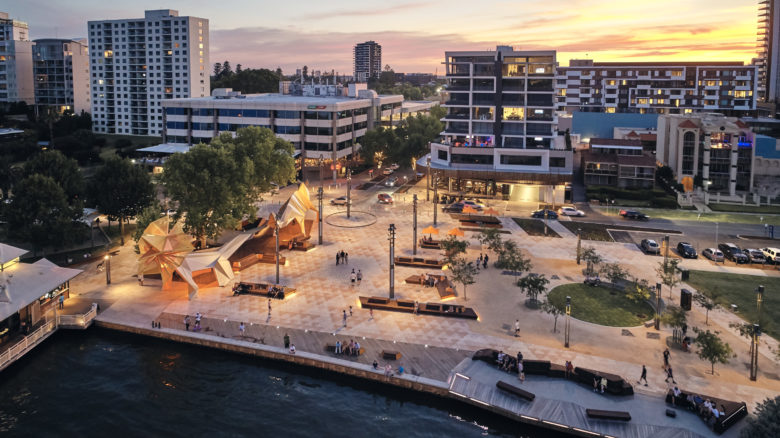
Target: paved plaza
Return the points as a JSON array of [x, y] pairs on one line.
[[325, 292]]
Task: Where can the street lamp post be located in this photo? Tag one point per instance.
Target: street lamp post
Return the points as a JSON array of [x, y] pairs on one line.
[[754, 352], [349, 191], [276, 231], [759, 300], [428, 182], [391, 238], [579, 244], [108, 268], [435, 198], [414, 224], [319, 163], [568, 317], [658, 306], [319, 217], [666, 254]]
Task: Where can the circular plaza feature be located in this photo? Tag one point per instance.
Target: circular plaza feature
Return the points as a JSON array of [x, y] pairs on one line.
[[601, 305], [357, 219]]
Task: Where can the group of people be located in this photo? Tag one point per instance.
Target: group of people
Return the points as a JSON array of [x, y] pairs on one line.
[[187, 322], [342, 258], [705, 408], [428, 239], [351, 349], [275, 291], [508, 363], [429, 280], [356, 277], [668, 367], [482, 260], [599, 383]]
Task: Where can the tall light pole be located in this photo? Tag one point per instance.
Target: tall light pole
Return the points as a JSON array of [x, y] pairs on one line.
[[349, 192], [579, 244], [666, 255], [414, 224], [754, 352], [658, 306], [568, 316], [319, 217], [435, 198], [107, 258], [276, 231], [319, 163], [391, 238], [428, 182], [759, 300]]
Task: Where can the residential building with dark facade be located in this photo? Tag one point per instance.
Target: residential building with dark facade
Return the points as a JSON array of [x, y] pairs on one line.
[[618, 163]]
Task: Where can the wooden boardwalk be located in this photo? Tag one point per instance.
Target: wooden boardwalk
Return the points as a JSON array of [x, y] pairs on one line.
[[432, 362]]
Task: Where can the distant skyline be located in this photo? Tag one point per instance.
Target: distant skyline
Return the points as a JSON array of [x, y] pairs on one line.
[[415, 34]]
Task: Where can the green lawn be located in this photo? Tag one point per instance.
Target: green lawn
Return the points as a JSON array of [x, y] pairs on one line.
[[727, 289], [534, 227], [688, 215], [599, 306], [764, 209]]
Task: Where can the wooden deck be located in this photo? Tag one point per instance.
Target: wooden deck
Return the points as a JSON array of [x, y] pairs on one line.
[[432, 362]]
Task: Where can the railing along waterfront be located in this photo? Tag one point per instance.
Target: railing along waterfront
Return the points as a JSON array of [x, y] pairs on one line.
[[27, 343], [77, 321]]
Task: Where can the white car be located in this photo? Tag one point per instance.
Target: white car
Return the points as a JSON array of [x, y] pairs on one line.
[[570, 211], [387, 171], [393, 166], [392, 181], [341, 200]]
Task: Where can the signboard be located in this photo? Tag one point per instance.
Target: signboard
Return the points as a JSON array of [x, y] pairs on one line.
[[316, 107]]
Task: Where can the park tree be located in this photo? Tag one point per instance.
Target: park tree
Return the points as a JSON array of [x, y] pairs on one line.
[[63, 170], [555, 311], [533, 285], [9, 175], [614, 273], [463, 272], [712, 348], [149, 214], [638, 290], [207, 185], [491, 238], [766, 420], [414, 133], [668, 274], [705, 302], [373, 143], [592, 260], [452, 248], [42, 214], [511, 258], [121, 190], [675, 317]]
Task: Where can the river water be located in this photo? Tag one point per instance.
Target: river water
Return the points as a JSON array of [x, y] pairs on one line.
[[104, 383]]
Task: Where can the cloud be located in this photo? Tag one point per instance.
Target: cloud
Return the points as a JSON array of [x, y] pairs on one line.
[[365, 12]]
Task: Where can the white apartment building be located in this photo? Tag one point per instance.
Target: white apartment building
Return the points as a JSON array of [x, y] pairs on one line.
[[61, 69], [500, 137], [656, 87], [16, 69], [136, 64]]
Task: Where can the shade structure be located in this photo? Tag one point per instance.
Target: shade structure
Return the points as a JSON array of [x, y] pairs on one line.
[[469, 209], [491, 212], [294, 212], [430, 230], [456, 232], [163, 248]]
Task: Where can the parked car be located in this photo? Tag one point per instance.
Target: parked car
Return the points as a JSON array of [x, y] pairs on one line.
[[686, 250], [393, 166], [455, 207], [540, 214], [771, 254], [733, 253], [387, 171], [384, 198], [476, 205], [650, 246], [341, 200], [754, 255], [713, 254], [633, 214], [570, 211], [392, 181]]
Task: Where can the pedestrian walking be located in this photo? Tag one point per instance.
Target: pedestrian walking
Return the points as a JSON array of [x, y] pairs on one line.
[[370, 313], [416, 307], [346, 258], [286, 340], [479, 260], [198, 316], [338, 258], [644, 375], [517, 328], [187, 322], [485, 262], [666, 358], [520, 372], [62, 301], [241, 328], [344, 317], [350, 310], [353, 277], [359, 276], [269, 307], [669, 375]]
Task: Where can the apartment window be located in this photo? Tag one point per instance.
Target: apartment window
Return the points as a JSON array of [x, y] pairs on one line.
[[521, 160]]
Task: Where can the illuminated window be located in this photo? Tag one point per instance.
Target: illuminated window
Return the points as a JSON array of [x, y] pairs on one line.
[[610, 110], [514, 113], [711, 83], [200, 46], [660, 101], [624, 82], [660, 92], [611, 82], [677, 73], [740, 94], [642, 101]]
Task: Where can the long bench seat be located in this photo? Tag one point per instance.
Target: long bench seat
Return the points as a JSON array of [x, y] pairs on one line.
[[608, 415], [261, 289], [734, 411], [515, 390], [417, 262], [443, 285], [407, 306]]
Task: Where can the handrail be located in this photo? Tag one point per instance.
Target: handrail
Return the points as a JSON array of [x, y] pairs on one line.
[[27, 343], [82, 320]]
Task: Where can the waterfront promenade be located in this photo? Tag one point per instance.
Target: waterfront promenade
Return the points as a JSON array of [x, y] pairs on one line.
[[314, 314]]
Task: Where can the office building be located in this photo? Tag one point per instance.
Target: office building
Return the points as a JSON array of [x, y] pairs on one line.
[[656, 87], [367, 60], [136, 64], [16, 69], [768, 45], [500, 137], [618, 163], [61, 69], [328, 125], [709, 150]]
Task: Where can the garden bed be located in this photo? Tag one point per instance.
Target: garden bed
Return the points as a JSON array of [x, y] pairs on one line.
[[534, 227], [601, 305]]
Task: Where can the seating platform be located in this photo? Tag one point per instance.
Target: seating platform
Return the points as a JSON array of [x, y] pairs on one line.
[[733, 411], [391, 355], [407, 306], [417, 262], [252, 259], [430, 244], [261, 289], [443, 285], [515, 390], [608, 415]]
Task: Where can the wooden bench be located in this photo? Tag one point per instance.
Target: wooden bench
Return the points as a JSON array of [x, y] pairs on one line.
[[261, 289], [430, 244], [608, 415], [734, 411], [515, 390], [246, 262], [407, 306], [416, 262], [391, 355]]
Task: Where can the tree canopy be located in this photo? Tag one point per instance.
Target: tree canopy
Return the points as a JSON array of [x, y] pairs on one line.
[[245, 80], [533, 285], [712, 348], [63, 170], [766, 423], [511, 259], [409, 140], [463, 272]]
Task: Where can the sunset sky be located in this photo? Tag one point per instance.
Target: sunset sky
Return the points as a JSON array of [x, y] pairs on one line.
[[415, 34]]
